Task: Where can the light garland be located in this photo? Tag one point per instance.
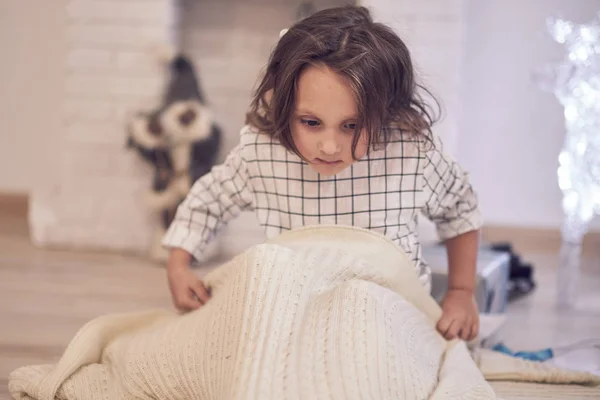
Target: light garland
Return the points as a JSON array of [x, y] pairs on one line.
[[576, 84]]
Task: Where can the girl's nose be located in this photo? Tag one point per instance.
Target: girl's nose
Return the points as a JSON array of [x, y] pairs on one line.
[[330, 145]]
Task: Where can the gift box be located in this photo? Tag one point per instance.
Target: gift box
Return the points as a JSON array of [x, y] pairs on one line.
[[493, 268]]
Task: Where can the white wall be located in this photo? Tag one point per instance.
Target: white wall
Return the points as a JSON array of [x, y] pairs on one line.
[[31, 39], [511, 132]]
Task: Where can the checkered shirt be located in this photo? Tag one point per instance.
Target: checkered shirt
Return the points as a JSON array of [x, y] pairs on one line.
[[384, 191]]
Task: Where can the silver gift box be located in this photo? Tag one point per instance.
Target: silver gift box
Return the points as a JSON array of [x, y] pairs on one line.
[[491, 292]]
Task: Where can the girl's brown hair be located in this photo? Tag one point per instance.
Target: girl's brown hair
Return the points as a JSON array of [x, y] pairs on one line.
[[373, 59]]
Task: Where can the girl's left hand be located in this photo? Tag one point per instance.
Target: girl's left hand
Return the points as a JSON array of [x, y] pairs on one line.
[[460, 317]]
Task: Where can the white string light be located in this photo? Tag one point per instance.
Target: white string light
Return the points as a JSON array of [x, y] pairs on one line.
[[576, 84]]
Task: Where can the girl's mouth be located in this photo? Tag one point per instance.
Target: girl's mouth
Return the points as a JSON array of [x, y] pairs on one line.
[[325, 162]]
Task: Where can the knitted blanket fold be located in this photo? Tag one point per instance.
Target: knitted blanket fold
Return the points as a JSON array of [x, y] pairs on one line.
[[321, 312]]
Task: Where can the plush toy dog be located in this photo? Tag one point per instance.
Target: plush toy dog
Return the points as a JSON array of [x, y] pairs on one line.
[[179, 140]]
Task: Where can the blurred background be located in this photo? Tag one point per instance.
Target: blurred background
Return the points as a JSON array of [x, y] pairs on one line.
[[74, 74]]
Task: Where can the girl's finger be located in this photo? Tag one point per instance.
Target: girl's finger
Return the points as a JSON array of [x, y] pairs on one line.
[[474, 330], [453, 329], [188, 303], [466, 330], [444, 324], [200, 292]]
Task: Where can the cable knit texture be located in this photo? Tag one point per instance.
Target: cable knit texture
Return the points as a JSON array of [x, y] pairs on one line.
[[320, 312]]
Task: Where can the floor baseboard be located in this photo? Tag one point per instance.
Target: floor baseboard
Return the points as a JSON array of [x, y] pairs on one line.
[[545, 240], [14, 210], [14, 204]]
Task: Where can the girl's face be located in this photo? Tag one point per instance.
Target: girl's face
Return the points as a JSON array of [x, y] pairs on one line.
[[324, 120]]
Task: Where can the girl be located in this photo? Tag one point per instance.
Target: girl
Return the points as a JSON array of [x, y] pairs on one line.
[[337, 134]]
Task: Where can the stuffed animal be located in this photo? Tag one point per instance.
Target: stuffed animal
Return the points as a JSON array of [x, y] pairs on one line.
[[180, 141]]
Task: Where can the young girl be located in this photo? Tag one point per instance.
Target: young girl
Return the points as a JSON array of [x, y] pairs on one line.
[[337, 134]]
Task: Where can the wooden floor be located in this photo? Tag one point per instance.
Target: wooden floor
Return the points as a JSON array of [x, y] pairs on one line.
[[46, 296]]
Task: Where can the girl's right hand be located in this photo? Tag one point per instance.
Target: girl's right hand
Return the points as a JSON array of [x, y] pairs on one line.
[[187, 291]]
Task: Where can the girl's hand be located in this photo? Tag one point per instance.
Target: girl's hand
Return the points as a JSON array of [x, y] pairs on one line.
[[460, 317], [188, 292]]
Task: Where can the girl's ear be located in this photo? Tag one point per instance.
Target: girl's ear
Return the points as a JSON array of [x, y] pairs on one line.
[[268, 96]]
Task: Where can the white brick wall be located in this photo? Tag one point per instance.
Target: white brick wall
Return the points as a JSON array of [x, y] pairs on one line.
[[89, 59], [95, 199], [150, 12], [135, 61], [87, 109]]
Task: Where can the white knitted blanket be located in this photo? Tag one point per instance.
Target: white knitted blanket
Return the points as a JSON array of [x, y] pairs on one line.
[[322, 312]]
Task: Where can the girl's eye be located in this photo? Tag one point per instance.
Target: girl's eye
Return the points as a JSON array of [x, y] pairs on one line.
[[351, 126], [309, 122]]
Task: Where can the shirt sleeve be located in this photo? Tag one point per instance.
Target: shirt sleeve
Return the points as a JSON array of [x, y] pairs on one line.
[[450, 200], [213, 200]]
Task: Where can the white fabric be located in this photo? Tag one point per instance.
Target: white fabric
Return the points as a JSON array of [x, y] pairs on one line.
[[584, 359], [334, 313], [509, 390]]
